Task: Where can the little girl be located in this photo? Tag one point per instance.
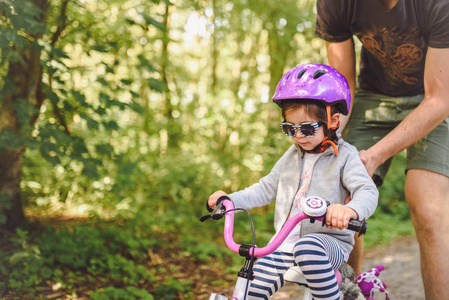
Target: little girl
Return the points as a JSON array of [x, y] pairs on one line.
[[320, 163]]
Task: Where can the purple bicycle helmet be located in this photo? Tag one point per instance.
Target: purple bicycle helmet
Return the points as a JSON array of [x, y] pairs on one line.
[[316, 82]]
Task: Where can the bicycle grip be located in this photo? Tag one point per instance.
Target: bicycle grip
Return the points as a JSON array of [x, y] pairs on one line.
[[219, 200], [358, 226], [218, 212]]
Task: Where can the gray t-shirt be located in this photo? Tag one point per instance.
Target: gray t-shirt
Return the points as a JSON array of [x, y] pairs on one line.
[[394, 42]]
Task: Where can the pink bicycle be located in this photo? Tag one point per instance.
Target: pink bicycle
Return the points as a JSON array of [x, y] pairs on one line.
[[314, 210]]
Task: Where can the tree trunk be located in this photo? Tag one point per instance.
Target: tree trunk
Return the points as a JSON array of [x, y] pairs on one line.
[[10, 176], [173, 130], [24, 79]]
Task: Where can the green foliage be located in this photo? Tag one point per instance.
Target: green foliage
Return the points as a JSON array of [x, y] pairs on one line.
[[172, 288], [26, 264], [391, 194], [105, 251], [203, 250], [383, 228], [22, 18], [111, 293]]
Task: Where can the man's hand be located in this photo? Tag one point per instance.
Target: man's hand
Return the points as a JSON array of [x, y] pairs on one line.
[[370, 161]]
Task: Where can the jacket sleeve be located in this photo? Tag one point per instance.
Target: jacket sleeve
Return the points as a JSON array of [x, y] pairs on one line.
[[364, 193], [265, 191]]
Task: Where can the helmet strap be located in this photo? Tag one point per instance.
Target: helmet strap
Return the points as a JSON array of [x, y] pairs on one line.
[[330, 129], [323, 146], [329, 119], [326, 141]]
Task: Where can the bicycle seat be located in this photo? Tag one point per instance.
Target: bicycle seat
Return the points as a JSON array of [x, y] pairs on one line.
[[295, 275]]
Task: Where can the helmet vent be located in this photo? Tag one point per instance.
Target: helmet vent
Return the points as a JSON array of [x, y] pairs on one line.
[[301, 73], [318, 74]]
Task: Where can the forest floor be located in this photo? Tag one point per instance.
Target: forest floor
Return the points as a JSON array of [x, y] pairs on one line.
[[400, 258], [402, 272]]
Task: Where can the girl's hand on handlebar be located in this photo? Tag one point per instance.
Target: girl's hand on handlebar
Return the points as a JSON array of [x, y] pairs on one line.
[[338, 216], [214, 197]]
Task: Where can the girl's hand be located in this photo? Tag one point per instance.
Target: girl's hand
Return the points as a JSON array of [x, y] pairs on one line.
[[338, 216], [214, 197]]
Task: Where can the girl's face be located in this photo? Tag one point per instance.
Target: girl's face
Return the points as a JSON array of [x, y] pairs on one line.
[[299, 116]]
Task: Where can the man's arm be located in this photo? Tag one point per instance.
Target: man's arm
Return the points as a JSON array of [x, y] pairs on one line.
[[341, 56], [423, 119]]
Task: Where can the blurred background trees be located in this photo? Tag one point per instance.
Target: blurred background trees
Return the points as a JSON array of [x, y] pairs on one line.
[[135, 111], [116, 104]]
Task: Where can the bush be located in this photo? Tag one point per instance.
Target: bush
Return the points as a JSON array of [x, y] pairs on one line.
[[72, 256], [129, 293]]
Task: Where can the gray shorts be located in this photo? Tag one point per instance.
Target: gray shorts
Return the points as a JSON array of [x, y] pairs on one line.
[[374, 116]]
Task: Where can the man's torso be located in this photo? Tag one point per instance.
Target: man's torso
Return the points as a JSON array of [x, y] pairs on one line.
[[394, 42]]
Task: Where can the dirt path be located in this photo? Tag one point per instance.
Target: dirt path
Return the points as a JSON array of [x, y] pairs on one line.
[[402, 271]]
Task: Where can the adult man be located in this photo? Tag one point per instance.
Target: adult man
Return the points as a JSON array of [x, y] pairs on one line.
[[402, 102]]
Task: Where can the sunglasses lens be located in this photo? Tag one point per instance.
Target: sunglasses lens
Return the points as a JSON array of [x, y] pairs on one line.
[[288, 129], [308, 130]]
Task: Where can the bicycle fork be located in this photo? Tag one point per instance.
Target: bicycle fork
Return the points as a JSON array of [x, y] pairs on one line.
[[245, 275], [240, 291]]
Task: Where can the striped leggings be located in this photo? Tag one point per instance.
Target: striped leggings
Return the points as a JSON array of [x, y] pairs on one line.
[[317, 255]]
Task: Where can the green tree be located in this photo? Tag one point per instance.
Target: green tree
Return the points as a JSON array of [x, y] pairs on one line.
[[102, 97], [47, 49]]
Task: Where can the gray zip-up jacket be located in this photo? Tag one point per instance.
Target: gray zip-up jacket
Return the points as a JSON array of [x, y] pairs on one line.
[[333, 179]]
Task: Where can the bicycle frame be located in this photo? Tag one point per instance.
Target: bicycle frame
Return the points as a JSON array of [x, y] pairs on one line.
[[314, 209]]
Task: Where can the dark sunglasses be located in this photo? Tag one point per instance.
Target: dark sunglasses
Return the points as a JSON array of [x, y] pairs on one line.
[[306, 129]]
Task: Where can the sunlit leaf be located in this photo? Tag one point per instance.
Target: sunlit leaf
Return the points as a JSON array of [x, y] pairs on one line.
[[92, 124], [156, 85], [146, 63], [100, 48], [151, 21], [111, 125], [102, 81]]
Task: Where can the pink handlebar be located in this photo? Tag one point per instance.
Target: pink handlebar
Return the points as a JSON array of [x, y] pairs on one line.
[[272, 246]]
